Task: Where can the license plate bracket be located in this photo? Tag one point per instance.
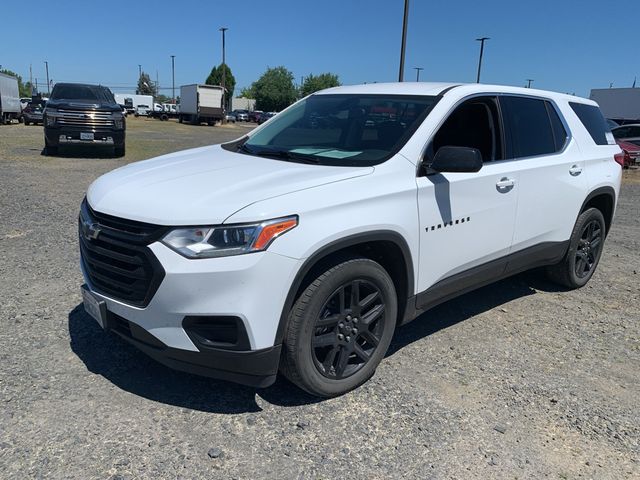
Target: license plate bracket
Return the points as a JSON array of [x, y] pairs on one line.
[[97, 309]]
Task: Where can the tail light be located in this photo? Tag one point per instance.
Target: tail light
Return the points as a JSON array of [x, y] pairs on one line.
[[622, 158]]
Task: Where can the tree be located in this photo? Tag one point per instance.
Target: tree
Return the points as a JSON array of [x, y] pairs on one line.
[[23, 89], [313, 83], [274, 90], [247, 92], [215, 78], [146, 86]]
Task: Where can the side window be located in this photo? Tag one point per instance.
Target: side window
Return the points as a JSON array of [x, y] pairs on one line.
[[559, 132], [475, 124], [529, 125], [593, 120]]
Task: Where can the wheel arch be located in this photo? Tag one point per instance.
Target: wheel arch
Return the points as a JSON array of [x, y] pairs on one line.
[[604, 199], [384, 246]]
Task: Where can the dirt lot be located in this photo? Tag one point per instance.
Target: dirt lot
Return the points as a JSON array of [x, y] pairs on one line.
[[516, 380]]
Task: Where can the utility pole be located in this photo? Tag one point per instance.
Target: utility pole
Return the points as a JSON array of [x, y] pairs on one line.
[[404, 40], [418, 69], [139, 71], [157, 84], [529, 81], [31, 79], [46, 64], [481, 40], [224, 77], [173, 79]]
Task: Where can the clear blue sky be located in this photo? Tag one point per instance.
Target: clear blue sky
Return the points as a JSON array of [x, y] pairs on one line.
[[564, 45]]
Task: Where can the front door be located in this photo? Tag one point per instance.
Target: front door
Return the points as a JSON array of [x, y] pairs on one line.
[[466, 219]]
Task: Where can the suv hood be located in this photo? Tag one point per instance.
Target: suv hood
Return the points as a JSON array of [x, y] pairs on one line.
[[204, 186]]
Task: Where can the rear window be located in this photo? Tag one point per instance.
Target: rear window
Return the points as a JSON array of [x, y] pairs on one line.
[[529, 126], [593, 120]]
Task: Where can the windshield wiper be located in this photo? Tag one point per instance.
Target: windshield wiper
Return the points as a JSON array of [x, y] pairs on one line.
[[280, 155]]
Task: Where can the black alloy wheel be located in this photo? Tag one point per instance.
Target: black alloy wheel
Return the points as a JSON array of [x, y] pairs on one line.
[[584, 251], [348, 330], [340, 327], [588, 250]]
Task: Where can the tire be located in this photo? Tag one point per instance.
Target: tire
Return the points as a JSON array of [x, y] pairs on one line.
[[51, 150], [180, 119], [327, 349], [211, 123], [584, 252], [26, 122], [119, 151]]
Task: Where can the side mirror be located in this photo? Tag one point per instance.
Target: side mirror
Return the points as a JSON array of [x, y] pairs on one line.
[[455, 159]]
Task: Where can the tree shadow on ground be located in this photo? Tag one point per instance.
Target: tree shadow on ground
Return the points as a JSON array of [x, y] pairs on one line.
[[108, 355]]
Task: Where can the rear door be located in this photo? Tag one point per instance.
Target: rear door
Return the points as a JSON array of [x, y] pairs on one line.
[[466, 219], [552, 183]]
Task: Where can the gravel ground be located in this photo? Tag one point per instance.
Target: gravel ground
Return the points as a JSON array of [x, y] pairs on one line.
[[516, 380]]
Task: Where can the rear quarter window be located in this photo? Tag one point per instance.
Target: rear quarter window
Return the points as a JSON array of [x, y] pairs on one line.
[[593, 120]]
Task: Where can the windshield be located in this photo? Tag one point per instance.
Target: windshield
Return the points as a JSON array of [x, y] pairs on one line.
[[93, 93], [341, 129]]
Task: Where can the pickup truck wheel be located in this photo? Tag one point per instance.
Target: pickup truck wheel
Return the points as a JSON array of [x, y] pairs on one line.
[[583, 255], [119, 151], [26, 122], [51, 150], [340, 328]]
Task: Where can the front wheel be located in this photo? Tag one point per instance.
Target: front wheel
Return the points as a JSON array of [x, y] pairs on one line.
[[340, 328], [583, 254]]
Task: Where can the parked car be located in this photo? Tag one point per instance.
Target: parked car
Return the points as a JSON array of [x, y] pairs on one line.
[[142, 111], [241, 115], [24, 102], [627, 133], [265, 116], [300, 247], [230, 118], [83, 114], [32, 113], [630, 154], [255, 115]]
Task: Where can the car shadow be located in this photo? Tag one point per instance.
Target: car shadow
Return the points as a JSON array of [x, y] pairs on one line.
[[81, 152], [126, 367], [108, 355], [473, 303]]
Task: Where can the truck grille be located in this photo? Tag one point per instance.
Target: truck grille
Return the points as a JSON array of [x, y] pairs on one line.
[[85, 118], [116, 258]]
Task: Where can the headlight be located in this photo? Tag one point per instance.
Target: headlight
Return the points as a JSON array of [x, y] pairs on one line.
[[50, 115], [118, 120], [223, 240]]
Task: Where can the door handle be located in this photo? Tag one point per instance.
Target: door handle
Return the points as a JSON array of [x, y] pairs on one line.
[[505, 184], [575, 170]]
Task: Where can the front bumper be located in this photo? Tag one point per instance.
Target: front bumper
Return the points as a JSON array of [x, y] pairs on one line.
[[251, 288], [256, 368], [69, 135]]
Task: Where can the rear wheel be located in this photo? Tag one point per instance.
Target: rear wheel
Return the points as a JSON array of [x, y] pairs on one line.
[[585, 249], [26, 122], [340, 328]]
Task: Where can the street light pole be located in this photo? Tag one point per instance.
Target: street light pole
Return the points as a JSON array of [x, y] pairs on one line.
[[46, 64], [481, 40], [224, 77], [173, 79], [404, 40], [529, 80], [418, 69]]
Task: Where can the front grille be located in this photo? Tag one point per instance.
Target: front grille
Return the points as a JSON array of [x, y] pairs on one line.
[[117, 259], [85, 118]]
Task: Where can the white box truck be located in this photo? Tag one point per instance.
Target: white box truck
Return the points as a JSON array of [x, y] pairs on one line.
[[9, 99], [200, 103]]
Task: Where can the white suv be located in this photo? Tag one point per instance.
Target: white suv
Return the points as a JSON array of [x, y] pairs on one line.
[[301, 246]]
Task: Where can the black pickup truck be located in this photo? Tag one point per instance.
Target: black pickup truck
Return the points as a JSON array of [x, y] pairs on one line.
[[81, 114]]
